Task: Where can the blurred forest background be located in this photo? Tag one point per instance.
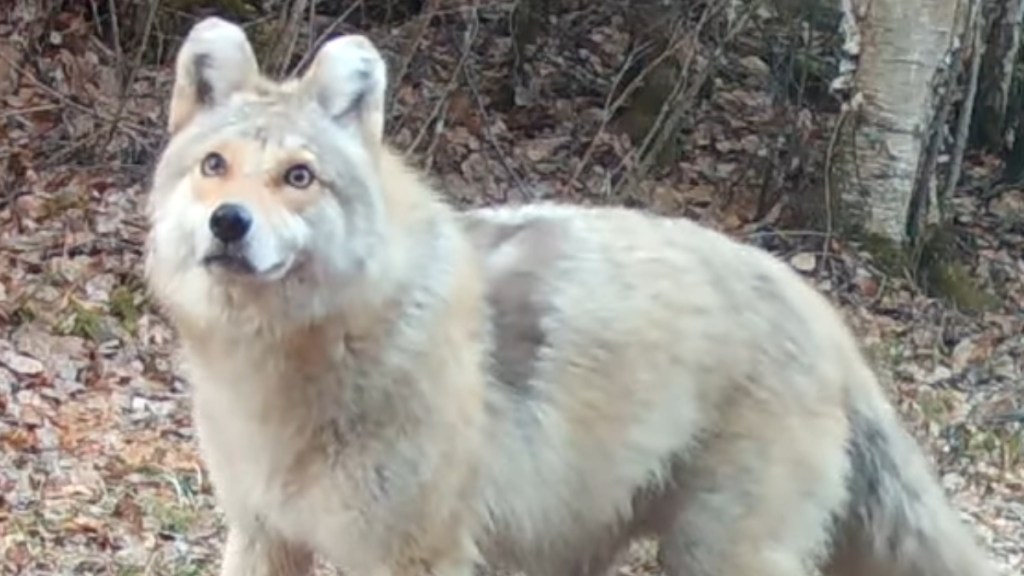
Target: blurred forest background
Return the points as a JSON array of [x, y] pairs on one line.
[[875, 145]]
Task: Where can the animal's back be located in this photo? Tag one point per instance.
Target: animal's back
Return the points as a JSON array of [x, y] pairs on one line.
[[630, 349], [654, 376]]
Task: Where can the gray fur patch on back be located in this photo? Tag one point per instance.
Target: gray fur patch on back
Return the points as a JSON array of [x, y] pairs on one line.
[[514, 286]]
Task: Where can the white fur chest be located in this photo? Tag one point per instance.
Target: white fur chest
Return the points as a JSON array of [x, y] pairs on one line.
[[250, 447], [264, 448]]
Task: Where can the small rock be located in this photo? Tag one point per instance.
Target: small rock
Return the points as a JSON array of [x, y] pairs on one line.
[[866, 283], [755, 67], [939, 374], [962, 354], [804, 262], [1008, 206], [7, 382], [139, 406], [725, 146], [952, 481], [725, 169], [1004, 368], [751, 143]]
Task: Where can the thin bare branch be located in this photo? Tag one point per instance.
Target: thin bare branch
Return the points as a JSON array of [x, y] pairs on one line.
[[129, 79], [967, 107], [467, 49], [410, 51], [334, 25]]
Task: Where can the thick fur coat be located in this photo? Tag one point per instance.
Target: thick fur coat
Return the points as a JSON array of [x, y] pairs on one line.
[[402, 388]]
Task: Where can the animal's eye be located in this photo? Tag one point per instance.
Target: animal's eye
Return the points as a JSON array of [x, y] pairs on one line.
[[299, 176], [213, 165]]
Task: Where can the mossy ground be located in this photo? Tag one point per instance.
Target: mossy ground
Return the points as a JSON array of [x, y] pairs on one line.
[[937, 264]]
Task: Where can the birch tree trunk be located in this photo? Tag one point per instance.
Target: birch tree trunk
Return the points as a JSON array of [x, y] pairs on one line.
[[1002, 39], [898, 48]]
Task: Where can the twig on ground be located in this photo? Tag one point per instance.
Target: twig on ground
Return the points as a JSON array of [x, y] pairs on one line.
[[115, 32], [287, 34], [474, 89], [426, 17], [827, 180], [671, 110], [129, 79], [609, 110], [439, 126], [304, 61], [19, 111], [442, 101], [67, 102]]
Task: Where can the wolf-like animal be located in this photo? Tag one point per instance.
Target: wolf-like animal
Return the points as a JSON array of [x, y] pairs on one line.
[[404, 388]]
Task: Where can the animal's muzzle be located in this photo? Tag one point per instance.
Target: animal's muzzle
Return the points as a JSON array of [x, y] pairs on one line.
[[230, 222]]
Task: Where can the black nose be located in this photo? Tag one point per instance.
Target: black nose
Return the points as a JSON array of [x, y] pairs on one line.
[[230, 222]]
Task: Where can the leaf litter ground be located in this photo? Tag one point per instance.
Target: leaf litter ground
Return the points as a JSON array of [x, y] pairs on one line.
[[98, 468]]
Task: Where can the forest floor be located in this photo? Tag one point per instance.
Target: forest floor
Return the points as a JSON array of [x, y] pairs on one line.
[[98, 466]]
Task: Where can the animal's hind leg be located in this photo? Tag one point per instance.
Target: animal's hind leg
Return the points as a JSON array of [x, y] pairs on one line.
[[759, 505], [714, 536], [686, 552], [259, 553]]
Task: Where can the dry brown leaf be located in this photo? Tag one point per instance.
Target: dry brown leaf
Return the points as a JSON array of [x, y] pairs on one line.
[[20, 363]]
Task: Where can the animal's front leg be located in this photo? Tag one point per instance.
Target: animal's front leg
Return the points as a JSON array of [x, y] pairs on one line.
[[455, 561], [453, 567], [255, 552]]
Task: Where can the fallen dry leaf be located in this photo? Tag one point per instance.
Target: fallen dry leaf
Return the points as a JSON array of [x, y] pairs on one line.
[[21, 364]]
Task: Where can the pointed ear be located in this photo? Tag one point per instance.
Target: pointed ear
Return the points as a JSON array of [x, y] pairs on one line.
[[214, 61], [348, 78]]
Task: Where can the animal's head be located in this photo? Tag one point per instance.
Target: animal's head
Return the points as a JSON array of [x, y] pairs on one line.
[[267, 196]]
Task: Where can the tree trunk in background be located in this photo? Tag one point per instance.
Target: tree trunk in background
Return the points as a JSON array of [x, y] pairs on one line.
[[1013, 171], [901, 46], [1002, 40]]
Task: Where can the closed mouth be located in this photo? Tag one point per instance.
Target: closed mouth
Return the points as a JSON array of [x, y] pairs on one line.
[[239, 264], [230, 262]]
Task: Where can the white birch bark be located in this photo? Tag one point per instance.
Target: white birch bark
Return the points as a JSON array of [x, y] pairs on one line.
[[900, 46]]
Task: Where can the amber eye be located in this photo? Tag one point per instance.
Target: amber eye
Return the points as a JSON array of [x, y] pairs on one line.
[[299, 176], [213, 165]]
